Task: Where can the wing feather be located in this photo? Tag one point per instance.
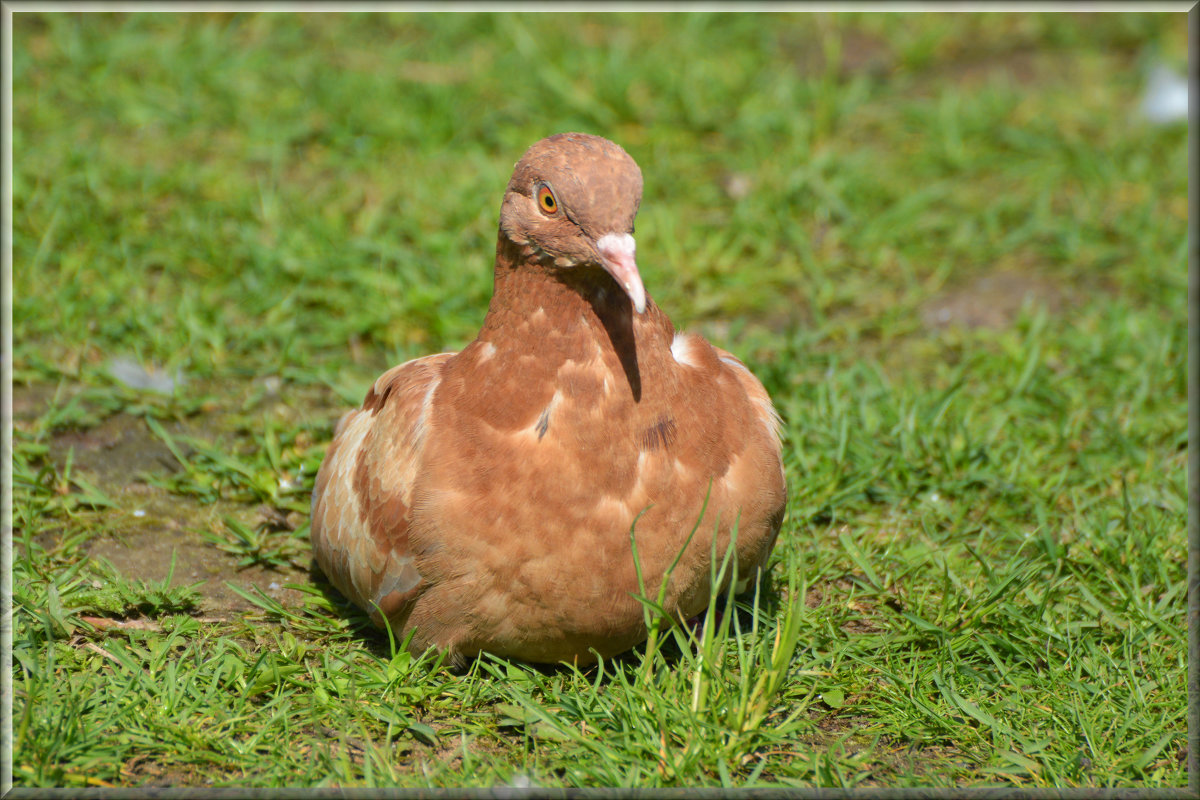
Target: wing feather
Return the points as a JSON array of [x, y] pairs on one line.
[[766, 413], [363, 492], [762, 496]]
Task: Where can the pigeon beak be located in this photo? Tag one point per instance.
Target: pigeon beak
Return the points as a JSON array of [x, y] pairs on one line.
[[616, 256]]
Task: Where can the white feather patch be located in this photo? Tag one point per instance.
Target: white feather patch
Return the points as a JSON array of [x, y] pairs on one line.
[[356, 431], [681, 349], [418, 433]]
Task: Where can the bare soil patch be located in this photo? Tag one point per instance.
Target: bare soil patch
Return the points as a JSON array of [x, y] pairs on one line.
[[150, 533], [993, 300]]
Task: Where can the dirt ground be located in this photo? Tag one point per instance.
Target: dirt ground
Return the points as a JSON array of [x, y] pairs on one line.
[[153, 533]]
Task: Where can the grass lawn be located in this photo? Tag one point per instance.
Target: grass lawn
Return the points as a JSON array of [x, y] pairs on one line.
[[948, 244]]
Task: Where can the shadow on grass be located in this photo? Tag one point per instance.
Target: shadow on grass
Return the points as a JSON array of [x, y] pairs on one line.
[[377, 641]]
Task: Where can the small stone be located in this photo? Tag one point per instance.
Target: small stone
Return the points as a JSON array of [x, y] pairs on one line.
[[135, 376], [1166, 97], [737, 185]]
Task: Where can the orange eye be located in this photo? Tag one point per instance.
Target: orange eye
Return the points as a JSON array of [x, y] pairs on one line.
[[546, 201]]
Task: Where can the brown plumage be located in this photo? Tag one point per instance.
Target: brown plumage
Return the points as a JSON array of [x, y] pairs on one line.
[[485, 498]]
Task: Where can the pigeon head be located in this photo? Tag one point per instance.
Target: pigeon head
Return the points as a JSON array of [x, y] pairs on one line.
[[572, 199]]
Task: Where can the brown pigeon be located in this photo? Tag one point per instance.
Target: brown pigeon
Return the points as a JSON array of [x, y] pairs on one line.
[[485, 499]]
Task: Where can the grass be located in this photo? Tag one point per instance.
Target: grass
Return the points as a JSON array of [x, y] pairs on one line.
[[946, 243]]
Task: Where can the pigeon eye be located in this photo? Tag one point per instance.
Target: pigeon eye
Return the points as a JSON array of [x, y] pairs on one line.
[[546, 201]]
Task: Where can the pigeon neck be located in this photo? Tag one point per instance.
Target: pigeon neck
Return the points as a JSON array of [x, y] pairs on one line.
[[528, 289], [566, 313]]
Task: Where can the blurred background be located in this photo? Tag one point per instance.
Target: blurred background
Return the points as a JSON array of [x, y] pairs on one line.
[[228, 194]]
